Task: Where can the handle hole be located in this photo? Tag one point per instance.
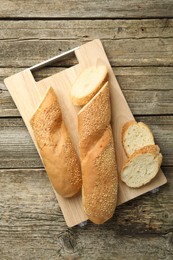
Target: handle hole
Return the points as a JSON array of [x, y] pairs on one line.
[[51, 67]]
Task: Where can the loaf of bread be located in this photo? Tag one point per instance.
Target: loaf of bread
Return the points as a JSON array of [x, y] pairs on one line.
[[88, 84], [99, 170], [135, 136], [59, 157], [142, 166]]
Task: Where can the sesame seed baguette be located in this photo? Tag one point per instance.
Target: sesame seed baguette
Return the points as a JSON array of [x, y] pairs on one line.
[[59, 157], [100, 182], [99, 171], [142, 166], [135, 136], [88, 84]]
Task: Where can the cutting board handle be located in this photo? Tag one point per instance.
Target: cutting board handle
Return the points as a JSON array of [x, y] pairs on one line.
[[52, 60]]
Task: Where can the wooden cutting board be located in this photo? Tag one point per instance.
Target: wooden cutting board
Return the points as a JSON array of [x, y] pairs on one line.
[[27, 94]]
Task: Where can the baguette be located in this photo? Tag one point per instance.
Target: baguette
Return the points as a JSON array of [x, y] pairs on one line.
[[100, 182], [59, 157], [99, 171], [142, 166], [135, 136], [88, 84]]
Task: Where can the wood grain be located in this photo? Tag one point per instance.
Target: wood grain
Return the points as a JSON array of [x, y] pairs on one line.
[[148, 90], [32, 225], [127, 42], [125, 52], [17, 149], [84, 9], [21, 30]]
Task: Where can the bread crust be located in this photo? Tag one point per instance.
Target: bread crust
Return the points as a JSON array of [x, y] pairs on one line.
[[99, 171], [59, 157], [93, 119], [151, 149], [100, 180], [125, 129]]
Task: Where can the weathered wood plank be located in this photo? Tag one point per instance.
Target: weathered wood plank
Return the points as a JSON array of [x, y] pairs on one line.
[[32, 226], [17, 149], [86, 9], [85, 29], [154, 77], [156, 101], [124, 52], [147, 90], [127, 43], [20, 146]]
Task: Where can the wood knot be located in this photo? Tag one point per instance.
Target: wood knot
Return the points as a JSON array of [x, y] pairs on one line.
[[68, 242]]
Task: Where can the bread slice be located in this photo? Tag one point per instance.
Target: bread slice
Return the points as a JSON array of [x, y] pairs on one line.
[[135, 136], [100, 179], [88, 84], [93, 119], [59, 157], [142, 166]]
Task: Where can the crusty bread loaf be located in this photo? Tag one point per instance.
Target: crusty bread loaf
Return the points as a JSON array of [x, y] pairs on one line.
[[59, 157], [88, 84], [135, 136], [142, 166], [100, 182], [99, 171]]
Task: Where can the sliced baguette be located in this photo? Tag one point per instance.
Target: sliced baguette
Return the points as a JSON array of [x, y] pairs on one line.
[[88, 84], [100, 180], [135, 136], [142, 166], [59, 157], [99, 171]]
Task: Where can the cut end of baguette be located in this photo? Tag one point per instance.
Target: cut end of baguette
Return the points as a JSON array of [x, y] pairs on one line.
[[89, 125], [135, 136], [88, 84], [142, 166]]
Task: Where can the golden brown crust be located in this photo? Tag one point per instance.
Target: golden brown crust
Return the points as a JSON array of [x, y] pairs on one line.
[[99, 172], [153, 149], [59, 157], [93, 119], [100, 180]]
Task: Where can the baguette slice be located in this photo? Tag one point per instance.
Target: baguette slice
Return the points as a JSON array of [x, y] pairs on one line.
[[142, 166], [135, 136], [59, 157], [88, 84], [100, 180]]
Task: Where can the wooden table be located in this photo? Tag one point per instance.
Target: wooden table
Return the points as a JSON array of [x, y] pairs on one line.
[[138, 39]]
